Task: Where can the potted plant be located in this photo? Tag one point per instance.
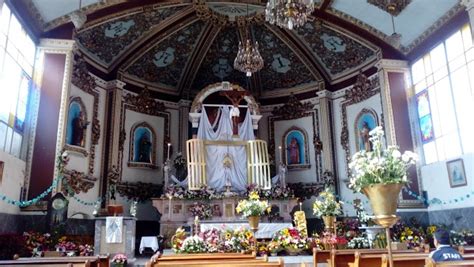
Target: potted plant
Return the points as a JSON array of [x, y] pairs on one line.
[[327, 208], [252, 208], [380, 174], [119, 260]]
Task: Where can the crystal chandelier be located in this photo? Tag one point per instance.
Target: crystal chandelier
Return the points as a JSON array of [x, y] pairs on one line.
[[248, 58], [288, 13]]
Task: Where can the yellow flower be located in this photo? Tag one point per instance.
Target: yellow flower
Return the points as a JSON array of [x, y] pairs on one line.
[[228, 235], [254, 195], [248, 235], [285, 231]]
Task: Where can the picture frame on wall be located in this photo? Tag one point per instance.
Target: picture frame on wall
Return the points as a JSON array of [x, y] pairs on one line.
[[456, 173]]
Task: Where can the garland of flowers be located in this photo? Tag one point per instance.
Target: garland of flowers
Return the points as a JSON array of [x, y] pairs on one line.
[[35, 200], [437, 201]]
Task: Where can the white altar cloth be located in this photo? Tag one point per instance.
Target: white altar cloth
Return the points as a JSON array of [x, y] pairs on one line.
[[149, 242], [265, 230]]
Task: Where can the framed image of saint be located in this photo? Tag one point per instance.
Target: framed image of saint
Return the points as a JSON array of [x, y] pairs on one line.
[[456, 173], [295, 152], [76, 127], [365, 122]]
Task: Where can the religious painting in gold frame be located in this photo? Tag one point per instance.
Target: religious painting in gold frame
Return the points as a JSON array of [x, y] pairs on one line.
[[296, 148], [365, 122], [76, 126]]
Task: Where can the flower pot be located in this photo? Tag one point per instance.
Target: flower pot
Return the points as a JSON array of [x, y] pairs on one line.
[[253, 222], [329, 222], [384, 201], [293, 251], [114, 209]]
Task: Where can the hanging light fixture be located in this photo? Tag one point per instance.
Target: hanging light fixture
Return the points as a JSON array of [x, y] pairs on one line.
[[395, 38], [248, 57], [288, 13]]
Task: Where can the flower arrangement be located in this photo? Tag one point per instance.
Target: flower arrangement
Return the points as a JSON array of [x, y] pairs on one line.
[[175, 191], [274, 247], [237, 240], [358, 243], [328, 205], [290, 239], [193, 244], [253, 206], [202, 210], [177, 239], [380, 241], [119, 258], [212, 238], [86, 250], [277, 192], [461, 238], [37, 242], [65, 245], [380, 166], [330, 240]]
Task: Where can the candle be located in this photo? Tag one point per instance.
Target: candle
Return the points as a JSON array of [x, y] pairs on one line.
[[169, 208], [169, 146], [300, 205], [280, 153]]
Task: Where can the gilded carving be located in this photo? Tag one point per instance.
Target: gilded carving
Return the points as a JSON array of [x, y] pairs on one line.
[[392, 7], [293, 109], [77, 182], [144, 103]]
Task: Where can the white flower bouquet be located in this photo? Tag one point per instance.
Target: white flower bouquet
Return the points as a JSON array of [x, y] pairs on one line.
[[193, 244], [252, 206], [380, 166], [327, 205]]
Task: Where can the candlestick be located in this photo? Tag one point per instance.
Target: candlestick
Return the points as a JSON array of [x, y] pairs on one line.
[[279, 147], [169, 146], [169, 207]]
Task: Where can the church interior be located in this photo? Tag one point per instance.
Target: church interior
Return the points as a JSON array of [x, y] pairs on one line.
[[219, 132]]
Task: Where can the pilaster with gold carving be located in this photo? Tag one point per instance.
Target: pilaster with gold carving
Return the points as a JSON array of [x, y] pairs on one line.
[[326, 137]]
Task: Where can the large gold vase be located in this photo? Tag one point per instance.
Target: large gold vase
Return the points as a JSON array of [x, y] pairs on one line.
[[253, 222], [329, 222], [384, 201]]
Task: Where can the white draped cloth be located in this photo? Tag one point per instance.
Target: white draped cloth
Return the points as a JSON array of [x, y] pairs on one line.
[[236, 173], [265, 230], [113, 229]]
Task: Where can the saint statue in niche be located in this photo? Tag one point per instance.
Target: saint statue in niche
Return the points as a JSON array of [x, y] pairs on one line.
[[364, 137], [76, 123], [294, 151], [144, 148]]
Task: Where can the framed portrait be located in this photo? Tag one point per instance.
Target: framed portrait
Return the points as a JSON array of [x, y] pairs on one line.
[[365, 122], [295, 148], [456, 173]]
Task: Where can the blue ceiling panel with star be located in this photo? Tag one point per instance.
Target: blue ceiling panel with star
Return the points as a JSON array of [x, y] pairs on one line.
[[217, 64], [164, 63], [107, 41], [283, 68]]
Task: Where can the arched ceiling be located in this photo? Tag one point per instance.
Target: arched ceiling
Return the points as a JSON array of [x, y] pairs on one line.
[[180, 47]]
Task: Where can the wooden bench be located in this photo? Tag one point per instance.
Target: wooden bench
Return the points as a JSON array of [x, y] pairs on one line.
[[92, 261], [431, 263], [399, 259], [341, 258], [466, 250], [320, 256], [211, 259]]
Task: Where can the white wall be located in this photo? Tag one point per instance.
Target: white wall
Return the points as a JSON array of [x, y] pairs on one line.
[[436, 183], [13, 177]]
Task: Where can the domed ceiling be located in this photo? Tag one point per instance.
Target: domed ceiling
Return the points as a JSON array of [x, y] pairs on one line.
[[181, 48]]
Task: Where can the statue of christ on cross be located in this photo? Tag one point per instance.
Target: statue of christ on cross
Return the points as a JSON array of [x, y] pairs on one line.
[[235, 96]]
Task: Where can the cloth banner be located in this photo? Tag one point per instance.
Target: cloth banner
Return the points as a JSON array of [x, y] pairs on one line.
[[113, 229], [215, 154]]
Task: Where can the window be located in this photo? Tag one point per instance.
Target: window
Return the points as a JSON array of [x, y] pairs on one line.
[[444, 80], [17, 56]]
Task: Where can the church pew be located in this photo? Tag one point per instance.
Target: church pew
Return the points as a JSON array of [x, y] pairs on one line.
[[320, 256], [345, 256], [218, 262], [191, 258], [400, 259], [466, 250], [95, 261], [431, 263], [43, 263]]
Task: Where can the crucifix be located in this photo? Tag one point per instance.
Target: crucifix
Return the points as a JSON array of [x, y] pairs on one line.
[[235, 96]]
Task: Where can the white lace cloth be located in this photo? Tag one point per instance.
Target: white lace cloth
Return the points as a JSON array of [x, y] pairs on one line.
[[148, 242]]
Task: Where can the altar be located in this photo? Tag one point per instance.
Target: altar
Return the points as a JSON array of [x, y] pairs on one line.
[[223, 211]]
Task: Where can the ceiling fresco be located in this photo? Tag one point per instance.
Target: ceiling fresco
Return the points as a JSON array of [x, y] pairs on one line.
[[164, 63], [335, 51], [108, 40], [217, 64], [282, 69]]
